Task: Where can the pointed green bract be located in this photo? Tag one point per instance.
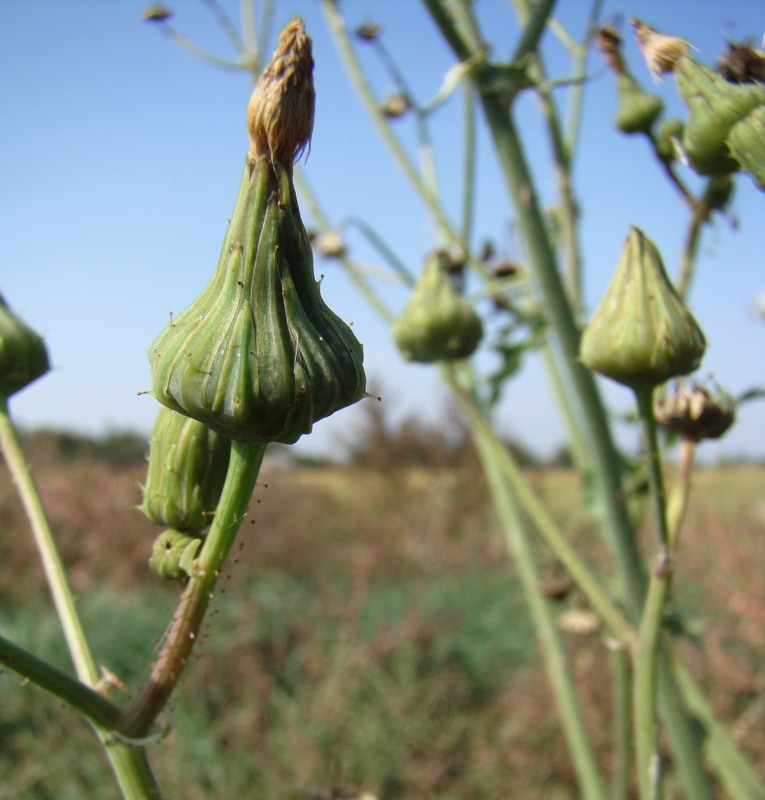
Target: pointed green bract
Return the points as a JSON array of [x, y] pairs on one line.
[[437, 323], [23, 355], [641, 334], [259, 357]]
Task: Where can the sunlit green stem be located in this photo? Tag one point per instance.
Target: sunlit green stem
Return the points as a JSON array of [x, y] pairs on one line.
[[647, 644], [622, 678], [519, 543], [540, 516], [184, 629], [55, 573], [128, 763]]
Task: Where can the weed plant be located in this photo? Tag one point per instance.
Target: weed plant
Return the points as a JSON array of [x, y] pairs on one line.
[[398, 657]]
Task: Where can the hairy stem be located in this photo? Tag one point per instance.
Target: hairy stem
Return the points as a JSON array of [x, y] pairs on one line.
[[184, 629]]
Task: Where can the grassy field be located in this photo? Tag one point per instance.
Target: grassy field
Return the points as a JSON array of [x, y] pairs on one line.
[[369, 636]]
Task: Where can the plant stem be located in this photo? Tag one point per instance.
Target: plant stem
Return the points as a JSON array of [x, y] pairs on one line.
[[541, 518], [620, 670], [519, 544], [129, 764], [345, 49], [55, 573], [88, 702], [183, 632]]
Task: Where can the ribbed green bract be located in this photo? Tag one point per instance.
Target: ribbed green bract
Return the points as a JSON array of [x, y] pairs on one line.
[[716, 108], [259, 357], [747, 143], [187, 468], [641, 334], [437, 323], [23, 356]]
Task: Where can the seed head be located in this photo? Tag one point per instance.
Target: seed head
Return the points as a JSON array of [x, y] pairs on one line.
[[281, 110], [661, 52]]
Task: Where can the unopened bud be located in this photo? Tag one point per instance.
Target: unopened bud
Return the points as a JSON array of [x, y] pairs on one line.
[[187, 468], [329, 244], [258, 356], [638, 109], [437, 323], [641, 334], [172, 554], [23, 356]]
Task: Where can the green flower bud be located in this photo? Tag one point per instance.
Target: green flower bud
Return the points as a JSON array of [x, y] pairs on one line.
[[715, 107], [187, 468], [437, 323], [641, 333], [172, 554], [638, 109], [23, 356], [668, 137], [259, 357], [747, 143]]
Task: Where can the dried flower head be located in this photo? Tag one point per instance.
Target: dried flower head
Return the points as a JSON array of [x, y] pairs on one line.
[[610, 45], [395, 105], [281, 110], [695, 413], [156, 13], [368, 32], [661, 52]]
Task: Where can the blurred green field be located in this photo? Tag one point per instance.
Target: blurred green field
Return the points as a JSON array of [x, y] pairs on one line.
[[370, 636]]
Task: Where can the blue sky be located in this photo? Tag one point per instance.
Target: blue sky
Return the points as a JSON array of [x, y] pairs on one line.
[[121, 161]]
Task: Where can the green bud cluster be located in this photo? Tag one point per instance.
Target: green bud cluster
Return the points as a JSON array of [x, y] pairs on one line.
[[23, 356], [641, 334], [187, 469], [437, 323]]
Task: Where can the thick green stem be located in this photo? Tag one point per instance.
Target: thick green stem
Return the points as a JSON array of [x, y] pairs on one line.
[[184, 629], [605, 462], [519, 543]]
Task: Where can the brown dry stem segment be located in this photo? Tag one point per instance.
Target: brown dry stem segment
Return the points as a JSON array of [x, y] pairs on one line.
[[281, 110]]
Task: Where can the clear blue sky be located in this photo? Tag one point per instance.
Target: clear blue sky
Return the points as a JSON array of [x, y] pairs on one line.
[[121, 160]]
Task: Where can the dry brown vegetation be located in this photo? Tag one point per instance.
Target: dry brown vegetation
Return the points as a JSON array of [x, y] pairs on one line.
[[370, 634]]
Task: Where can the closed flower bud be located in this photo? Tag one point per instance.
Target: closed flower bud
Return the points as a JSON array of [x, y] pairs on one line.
[[641, 334], [747, 144], [259, 357], [395, 105], [23, 356], [187, 468], [716, 108], [638, 109], [172, 554], [437, 323], [695, 413]]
